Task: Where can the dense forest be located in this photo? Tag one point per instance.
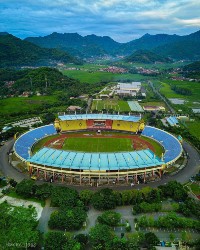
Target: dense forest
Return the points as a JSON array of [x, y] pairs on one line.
[[44, 80], [15, 52], [192, 70], [145, 56]]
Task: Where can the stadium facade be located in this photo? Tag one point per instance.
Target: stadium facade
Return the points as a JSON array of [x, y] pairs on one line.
[[97, 168]]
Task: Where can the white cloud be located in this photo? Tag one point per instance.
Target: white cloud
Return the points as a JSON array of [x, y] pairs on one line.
[[120, 19], [189, 22]]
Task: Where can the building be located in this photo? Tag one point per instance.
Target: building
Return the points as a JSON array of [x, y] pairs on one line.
[[128, 89], [154, 108]]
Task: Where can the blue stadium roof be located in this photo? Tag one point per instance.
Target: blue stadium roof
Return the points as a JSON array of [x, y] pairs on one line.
[[172, 146], [24, 143], [96, 161], [100, 116]]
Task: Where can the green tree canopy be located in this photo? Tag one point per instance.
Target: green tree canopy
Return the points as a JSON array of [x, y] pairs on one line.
[[110, 218], [104, 199], [101, 235], [18, 226]]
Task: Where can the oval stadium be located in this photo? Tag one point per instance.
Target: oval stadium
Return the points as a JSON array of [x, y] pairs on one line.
[[98, 149]]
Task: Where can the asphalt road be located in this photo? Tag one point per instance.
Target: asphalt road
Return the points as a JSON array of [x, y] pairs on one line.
[[156, 91], [191, 168]]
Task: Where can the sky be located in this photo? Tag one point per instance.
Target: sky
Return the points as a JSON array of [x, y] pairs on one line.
[[123, 20]]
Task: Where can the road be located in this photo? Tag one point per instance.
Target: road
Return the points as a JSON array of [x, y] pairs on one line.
[[157, 92], [5, 167], [191, 168], [89, 104]]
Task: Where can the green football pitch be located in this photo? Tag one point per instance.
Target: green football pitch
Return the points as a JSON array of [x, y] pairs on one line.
[[98, 144]]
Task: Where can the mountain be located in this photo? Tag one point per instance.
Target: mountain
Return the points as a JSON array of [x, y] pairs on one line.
[[176, 47], [186, 47], [16, 52], [145, 56], [87, 46], [182, 50], [147, 42]]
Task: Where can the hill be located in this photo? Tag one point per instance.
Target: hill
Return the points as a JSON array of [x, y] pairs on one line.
[[144, 56], [16, 52], [44, 80], [87, 46], [192, 70]]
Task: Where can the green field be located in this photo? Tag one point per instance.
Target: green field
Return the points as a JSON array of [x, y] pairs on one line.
[[97, 76], [165, 89], [107, 104], [98, 144], [24, 104]]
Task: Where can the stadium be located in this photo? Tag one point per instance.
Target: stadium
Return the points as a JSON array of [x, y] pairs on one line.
[[98, 149]]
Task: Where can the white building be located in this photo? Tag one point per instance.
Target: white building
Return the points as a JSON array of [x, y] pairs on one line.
[[128, 89]]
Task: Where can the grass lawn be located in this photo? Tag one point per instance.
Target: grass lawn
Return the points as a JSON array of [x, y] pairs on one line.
[[15, 195], [24, 104], [41, 143], [110, 104], [158, 148], [195, 188], [98, 144]]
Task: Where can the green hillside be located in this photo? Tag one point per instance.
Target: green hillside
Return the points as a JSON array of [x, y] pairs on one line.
[[16, 52], [76, 44], [144, 56], [192, 70]]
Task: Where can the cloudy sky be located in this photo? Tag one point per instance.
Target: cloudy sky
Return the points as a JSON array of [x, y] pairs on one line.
[[123, 20]]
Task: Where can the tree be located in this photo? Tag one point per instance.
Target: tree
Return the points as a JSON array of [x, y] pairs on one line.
[[43, 191], [118, 243], [174, 190], [64, 197], [171, 237], [13, 183], [151, 239], [68, 218], [104, 199], [26, 188], [86, 196], [60, 241], [82, 239], [109, 218], [18, 226], [101, 235]]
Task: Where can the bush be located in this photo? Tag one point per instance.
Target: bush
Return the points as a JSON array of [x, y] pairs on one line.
[[128, 228], [109, 218]]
